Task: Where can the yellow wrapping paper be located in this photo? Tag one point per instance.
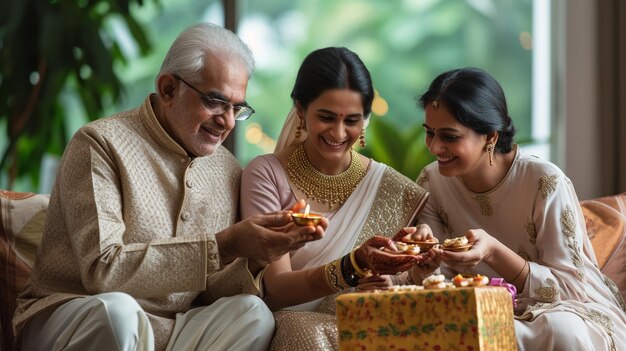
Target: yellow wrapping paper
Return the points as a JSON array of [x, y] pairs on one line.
[[468, 319]]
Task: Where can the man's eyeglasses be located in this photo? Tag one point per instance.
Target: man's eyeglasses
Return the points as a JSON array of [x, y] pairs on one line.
[[219, 106]]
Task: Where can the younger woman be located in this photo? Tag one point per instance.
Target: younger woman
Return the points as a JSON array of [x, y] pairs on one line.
[[520, 213]]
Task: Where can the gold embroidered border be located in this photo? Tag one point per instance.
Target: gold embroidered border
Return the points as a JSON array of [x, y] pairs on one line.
[[334, 278], [397, 198]]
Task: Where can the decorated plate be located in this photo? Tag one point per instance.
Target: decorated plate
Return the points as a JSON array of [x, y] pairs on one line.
[[457, 248]]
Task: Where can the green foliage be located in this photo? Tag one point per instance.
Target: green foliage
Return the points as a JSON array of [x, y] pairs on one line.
[[48, 46], [401, 148], [405, 45]]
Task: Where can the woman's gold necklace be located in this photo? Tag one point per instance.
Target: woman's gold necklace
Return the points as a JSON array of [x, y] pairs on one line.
[[327, 189]]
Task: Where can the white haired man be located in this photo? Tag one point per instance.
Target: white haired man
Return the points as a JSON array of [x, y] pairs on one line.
[[141, 248]]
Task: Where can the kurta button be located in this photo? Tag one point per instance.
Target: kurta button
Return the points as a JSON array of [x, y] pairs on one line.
[[183, 160], [185, 216], [190, 183]]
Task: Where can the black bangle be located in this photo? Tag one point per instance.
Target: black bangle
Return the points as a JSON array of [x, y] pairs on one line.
[[347, 271]]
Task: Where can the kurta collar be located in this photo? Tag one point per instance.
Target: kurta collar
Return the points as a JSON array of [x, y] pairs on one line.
[[152, 124]]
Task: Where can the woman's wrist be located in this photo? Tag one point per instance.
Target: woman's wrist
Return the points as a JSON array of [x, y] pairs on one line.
[[357, 268], [506, 262], [349, 272], [359, 260], [493, 251]]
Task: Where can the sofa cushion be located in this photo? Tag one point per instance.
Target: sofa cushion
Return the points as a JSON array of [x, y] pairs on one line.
[[606, 226], [22, 216]]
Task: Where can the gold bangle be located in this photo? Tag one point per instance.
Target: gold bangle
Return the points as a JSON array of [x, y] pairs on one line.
[[520, 272], [360, 272]]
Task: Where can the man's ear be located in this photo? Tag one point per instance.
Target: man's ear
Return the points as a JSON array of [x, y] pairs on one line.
[[166, 87]]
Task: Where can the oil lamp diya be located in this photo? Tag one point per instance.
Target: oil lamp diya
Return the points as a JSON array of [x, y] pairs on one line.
[[424, 245], [306, 218]]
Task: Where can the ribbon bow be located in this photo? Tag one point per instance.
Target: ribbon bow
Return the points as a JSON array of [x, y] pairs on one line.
[[509, 287]]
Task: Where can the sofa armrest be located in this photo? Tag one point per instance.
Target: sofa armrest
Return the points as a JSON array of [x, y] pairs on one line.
[[22, 216], [605, 219]]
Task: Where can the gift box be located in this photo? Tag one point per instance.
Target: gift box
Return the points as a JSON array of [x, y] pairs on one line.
[[468, 319]]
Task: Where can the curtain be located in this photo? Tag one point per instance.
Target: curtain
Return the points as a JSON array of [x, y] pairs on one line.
[[612, 88]]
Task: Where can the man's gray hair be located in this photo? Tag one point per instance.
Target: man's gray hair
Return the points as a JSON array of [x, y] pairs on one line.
[[188, 54]]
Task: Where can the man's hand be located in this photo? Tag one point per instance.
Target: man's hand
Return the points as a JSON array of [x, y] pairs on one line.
[[265, 238]]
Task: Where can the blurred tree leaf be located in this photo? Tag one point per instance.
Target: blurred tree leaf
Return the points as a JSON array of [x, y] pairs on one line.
[[405, 45], [46, 46], [401, 148]]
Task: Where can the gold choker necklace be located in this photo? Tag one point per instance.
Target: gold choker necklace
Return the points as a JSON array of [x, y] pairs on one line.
[[327, 189]]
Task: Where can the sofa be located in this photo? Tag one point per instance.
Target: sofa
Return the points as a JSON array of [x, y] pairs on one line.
[[22, 216]]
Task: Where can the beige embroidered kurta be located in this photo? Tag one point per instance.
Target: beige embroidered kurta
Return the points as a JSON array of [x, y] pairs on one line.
[[132, 212], [535, 212]]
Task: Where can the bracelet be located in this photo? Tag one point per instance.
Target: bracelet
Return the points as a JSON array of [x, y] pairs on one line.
[[360, 272], [520, 272], [348, 273]]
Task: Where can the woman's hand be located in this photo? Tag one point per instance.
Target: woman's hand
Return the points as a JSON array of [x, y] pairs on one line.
[[374, 282], [371, 256], [482, 247], [421, 232], [425, 267]]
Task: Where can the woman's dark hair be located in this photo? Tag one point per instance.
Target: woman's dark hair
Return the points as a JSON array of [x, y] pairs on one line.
[[332, 68], [476, 100]]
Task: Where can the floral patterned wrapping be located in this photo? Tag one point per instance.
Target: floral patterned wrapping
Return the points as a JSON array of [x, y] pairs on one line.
[[469, 319]]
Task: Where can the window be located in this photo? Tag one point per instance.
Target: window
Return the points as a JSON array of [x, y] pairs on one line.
[[405, 44]]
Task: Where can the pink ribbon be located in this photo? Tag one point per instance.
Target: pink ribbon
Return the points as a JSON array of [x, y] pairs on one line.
[[509, 287]]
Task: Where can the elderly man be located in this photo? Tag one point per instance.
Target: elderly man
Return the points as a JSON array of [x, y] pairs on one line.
[[141, 248]]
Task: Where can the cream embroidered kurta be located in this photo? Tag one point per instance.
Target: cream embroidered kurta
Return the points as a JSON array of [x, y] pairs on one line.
[[132, 212], [535, 212]]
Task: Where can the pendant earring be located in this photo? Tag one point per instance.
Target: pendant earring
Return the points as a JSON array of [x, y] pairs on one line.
[[299, 128], [362, 138], [490, 150]]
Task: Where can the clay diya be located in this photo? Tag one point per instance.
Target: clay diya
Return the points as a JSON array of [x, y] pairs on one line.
[[306, 218]]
